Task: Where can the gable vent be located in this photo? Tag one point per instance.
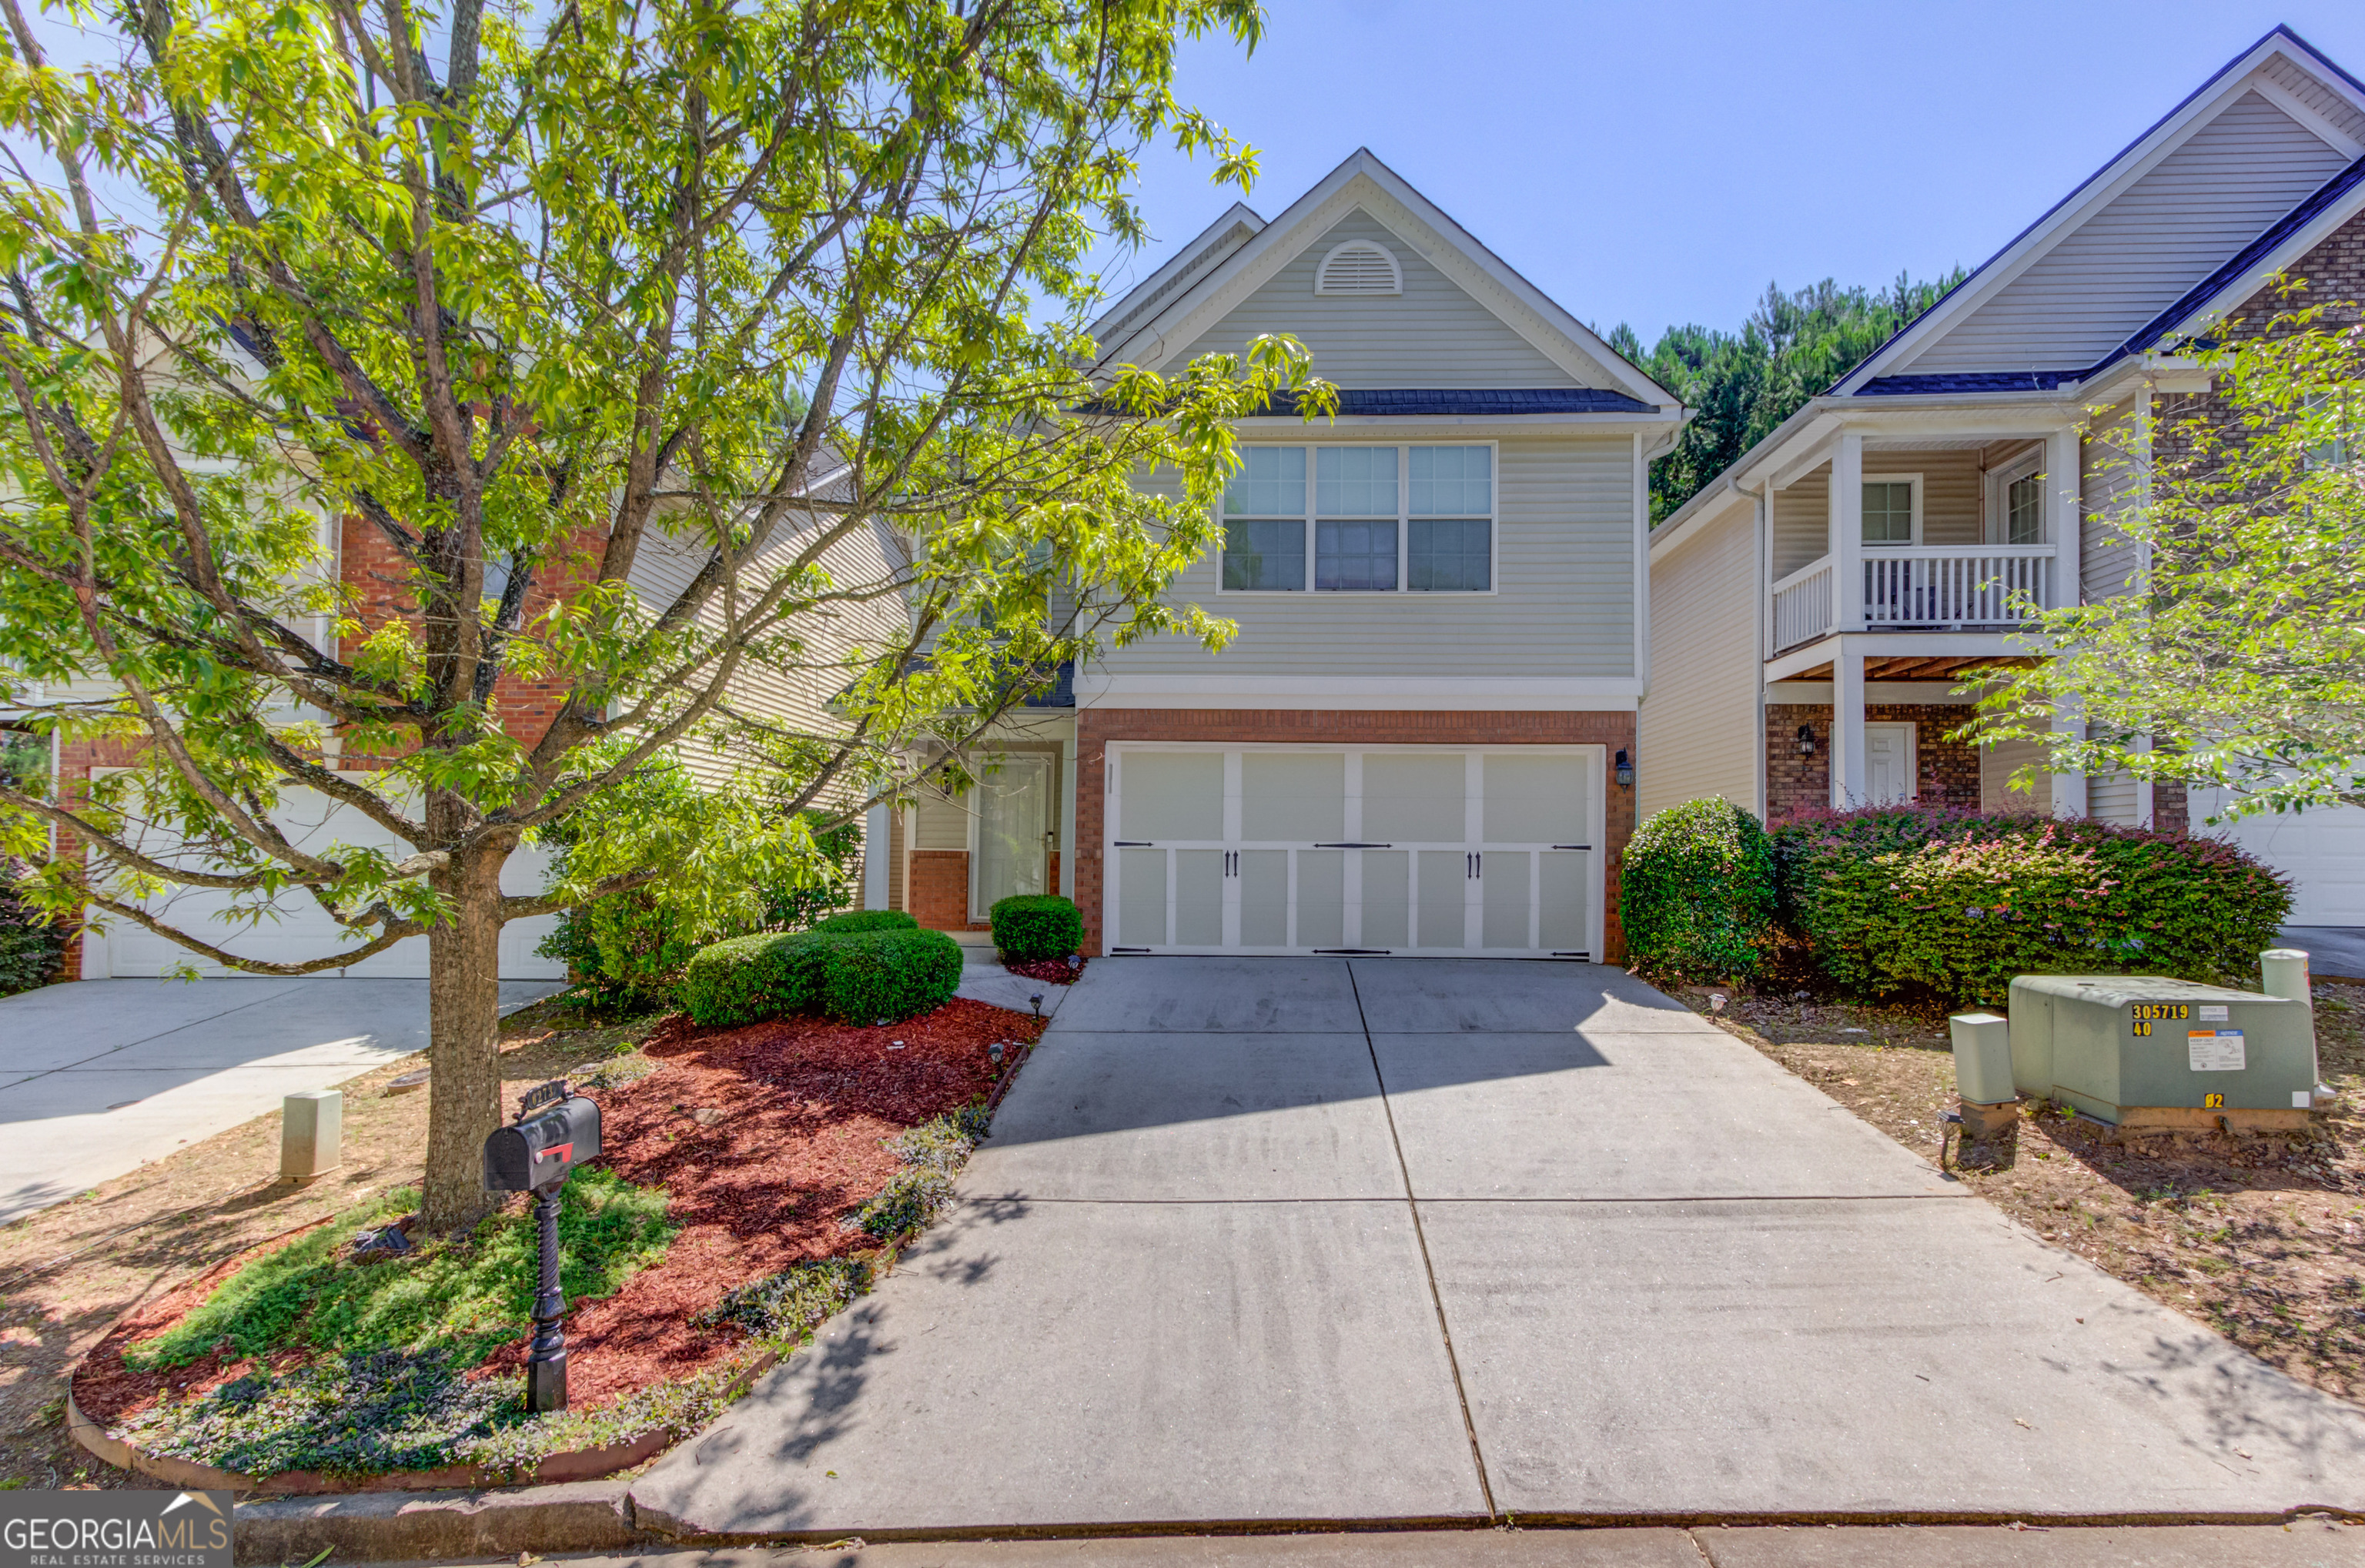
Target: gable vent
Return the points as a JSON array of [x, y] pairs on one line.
[[1359, 267]]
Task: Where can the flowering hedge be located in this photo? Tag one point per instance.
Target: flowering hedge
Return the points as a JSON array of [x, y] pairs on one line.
[[1958, 902]]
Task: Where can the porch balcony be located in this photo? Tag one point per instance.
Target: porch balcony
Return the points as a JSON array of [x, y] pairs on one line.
[[1917, 588]]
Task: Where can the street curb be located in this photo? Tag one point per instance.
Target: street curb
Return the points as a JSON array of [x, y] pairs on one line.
[[397, 1527]]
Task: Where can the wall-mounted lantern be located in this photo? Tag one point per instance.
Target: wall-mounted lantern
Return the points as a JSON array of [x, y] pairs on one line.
[[1625, 771], [1806, 740]]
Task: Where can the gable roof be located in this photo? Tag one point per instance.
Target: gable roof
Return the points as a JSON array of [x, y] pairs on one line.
[[1151, 325], [2281, 73]]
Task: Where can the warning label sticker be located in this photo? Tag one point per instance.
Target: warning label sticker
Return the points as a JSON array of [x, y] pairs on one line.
[[2216, 1050]]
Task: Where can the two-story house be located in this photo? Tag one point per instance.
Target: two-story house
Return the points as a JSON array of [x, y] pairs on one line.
[[1421, 739], [1820, 600]]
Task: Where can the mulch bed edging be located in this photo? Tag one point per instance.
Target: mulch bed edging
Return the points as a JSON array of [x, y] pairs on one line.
[[658, 1129]]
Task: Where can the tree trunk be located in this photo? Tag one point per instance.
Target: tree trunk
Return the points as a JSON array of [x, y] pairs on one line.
[[464, 1041]]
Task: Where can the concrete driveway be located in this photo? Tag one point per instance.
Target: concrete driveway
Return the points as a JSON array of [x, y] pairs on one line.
[[97, 1076], [1353, 1240]]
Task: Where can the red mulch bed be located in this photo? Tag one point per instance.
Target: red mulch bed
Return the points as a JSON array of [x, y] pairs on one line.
[[1057, 971], [806, 1108]]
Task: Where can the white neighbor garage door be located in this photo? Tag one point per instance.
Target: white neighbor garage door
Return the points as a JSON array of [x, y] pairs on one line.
[[2322, 850], [302, 931], [1405, 849]]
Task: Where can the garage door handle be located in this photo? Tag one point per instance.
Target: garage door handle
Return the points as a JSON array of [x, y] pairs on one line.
[[1569, 847], [1133, 843], [1355, 845]]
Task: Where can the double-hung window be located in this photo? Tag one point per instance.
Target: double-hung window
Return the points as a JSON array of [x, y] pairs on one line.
[[1889, 511], [1361, 519]]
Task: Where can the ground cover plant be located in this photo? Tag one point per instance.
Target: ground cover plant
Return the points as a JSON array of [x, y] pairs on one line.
[[2260, 1237], [782, 1162], [1697, 891], [1954, 904]]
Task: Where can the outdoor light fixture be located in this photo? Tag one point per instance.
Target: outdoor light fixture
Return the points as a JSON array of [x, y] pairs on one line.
[[1625, 771], [1806, 740], [1037, 999]]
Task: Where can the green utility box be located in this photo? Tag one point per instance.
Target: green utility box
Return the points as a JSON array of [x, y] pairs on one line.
[[2141, 1050]]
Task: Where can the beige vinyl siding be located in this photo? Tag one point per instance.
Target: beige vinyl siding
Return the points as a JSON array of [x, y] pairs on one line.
[[898, 839], [2107, 480], [1700, 728], [1563, 604], [2130, 261], [2110, 798], [1802, 522], [2294, 79], [796, 698], [1431, 335], [943, 823]]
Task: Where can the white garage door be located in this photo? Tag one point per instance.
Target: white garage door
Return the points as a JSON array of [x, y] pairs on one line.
[[2322, 852], [302, 932], [1416, 850]]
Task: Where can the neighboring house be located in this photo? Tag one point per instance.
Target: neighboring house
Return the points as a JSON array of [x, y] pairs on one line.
[[1818, 601], [1416, 742], [372, 574]]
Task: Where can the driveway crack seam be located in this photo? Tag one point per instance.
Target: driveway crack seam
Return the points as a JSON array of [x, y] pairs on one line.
[[1420, 1238]]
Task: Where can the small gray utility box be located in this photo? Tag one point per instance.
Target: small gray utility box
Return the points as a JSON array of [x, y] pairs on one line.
[[2141, 1050]]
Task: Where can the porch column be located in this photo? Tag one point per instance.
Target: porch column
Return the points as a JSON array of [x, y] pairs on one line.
[[875, 840], [1847, 532], [2064, 524], [1848, 762], [2070, 788]]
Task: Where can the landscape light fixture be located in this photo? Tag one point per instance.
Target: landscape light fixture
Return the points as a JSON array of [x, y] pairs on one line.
[[1625, 771], [1806, 740], [1037, 999]]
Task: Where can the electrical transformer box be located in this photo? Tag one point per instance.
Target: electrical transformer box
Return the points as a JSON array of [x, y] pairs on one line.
[[2145, 1050]]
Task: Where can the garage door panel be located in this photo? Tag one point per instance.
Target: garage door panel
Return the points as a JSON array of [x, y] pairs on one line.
[[1321, 898], [1264, 898], [1141, 898], [1387, 898], [1505, 900], [1410, 796], [1172, 794], [1444, 899], [1292, 797], [1534, 800], [1563, 880], [1198, 898]]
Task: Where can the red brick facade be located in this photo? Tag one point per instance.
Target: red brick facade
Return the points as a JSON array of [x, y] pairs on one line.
[[1945, 770], [1095, 727]]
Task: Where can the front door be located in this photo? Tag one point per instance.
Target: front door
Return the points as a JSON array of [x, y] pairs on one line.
[[1887, 764], [1014, 833]]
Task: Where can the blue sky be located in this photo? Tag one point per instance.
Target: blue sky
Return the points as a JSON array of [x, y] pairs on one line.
[[1662, 163]]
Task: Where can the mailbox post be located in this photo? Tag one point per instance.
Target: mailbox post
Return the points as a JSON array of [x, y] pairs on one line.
[[554, 1132]]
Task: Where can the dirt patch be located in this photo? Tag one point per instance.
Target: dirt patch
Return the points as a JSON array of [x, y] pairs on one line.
[[2260, 1237]]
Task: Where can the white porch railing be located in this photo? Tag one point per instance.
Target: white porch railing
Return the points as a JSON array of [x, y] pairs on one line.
[[1918, 587], [1802, 605], [1941, 587]]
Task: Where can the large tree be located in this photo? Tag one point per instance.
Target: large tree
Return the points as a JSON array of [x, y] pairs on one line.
[[780, 286], [2234, 656]]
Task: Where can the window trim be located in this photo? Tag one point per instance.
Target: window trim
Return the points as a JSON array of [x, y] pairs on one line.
[[1996, 529], [1915, 526], [1404, 520]]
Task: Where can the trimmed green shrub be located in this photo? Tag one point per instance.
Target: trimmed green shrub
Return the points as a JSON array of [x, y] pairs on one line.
[[1957, 902], [856, 977], [1695, 892], [869, 975], [855, 920], [1030, 926], [30, 947], [749, 979]]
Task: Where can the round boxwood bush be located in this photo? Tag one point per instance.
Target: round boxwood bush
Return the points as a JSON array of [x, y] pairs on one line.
[[1695, 892], [889, 973], [1957, 903], [1030, 926]]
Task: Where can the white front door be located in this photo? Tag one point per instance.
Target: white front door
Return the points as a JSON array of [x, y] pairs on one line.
[[1014, 819], [1418, 850], [1887, 764]]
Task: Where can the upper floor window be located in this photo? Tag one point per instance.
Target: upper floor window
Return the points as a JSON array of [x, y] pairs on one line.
[[2023, 509], [1892, 509], [1360, 519]]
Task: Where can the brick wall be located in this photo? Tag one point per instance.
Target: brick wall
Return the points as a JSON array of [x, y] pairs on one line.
[[1095, 727], [940, 889], [1946, 770]]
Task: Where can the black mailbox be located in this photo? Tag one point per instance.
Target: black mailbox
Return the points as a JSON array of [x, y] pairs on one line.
[[541, 1147]]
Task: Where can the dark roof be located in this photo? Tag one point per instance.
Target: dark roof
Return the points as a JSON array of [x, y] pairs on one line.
[[1973, 275], [1062, 693], [1967, 381], [1475, 400]]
